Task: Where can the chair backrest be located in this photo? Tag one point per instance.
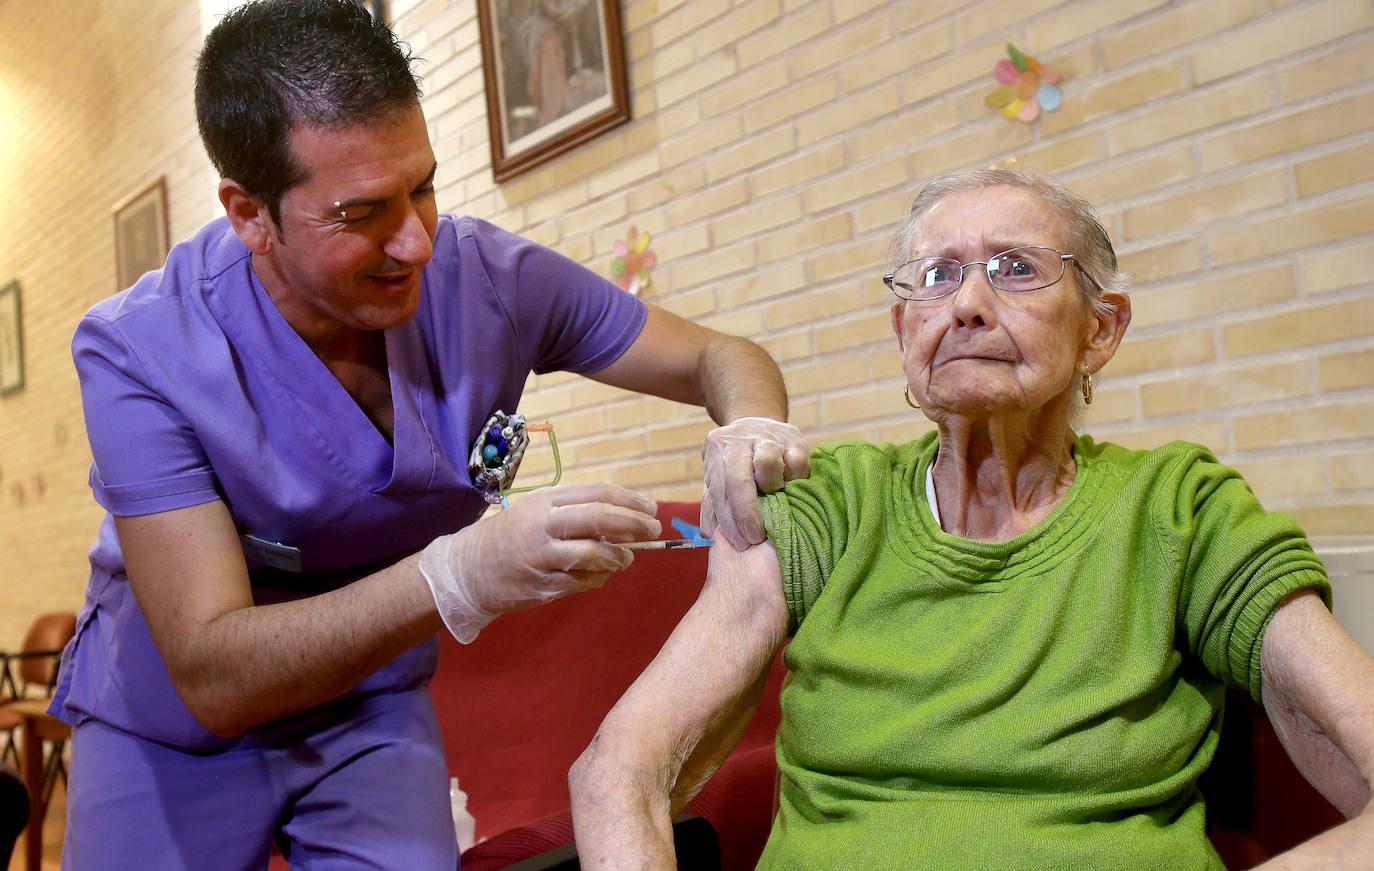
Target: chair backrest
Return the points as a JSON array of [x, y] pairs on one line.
[[50, 632]]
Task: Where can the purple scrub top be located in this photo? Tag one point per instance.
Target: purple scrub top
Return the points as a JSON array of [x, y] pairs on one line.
[[195, 389]]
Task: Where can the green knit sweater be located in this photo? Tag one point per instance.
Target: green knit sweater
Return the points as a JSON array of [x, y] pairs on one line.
[[1046, 702]]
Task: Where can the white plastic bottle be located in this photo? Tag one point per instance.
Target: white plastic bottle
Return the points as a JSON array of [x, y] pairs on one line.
[[464, 826]]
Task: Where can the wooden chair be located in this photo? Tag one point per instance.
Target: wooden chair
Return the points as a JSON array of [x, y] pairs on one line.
[[31, 673]]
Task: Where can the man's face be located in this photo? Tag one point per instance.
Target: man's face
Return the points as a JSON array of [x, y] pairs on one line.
[[356, 264]]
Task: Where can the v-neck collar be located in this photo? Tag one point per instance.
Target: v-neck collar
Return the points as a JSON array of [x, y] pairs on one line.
[[409, 461]]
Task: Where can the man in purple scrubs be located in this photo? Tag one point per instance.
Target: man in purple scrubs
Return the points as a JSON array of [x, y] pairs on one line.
[[281, 419]]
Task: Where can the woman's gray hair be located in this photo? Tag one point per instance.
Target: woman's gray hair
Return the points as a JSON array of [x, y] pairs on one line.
[[1088, 240]]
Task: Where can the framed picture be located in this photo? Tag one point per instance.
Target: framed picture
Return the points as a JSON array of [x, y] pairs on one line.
[[555, 77], [140, 233], [11, 339]]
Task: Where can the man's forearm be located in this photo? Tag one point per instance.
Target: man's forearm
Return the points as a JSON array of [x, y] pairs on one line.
[[739, 379]]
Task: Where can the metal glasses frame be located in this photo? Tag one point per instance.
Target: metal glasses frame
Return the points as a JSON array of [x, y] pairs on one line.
[[890, 279]]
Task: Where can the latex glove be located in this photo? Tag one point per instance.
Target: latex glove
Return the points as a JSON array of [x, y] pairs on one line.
[[548, 544], [749, 456]]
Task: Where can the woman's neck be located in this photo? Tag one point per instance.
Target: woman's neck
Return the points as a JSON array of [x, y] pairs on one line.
[[997, 477]]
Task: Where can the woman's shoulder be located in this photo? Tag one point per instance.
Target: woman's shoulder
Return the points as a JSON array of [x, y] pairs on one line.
[[859, 458], [1134, 460]]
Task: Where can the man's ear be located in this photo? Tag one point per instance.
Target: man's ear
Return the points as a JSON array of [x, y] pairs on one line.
[[248, 216]]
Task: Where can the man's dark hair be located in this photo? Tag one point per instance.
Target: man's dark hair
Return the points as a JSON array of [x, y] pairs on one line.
[[272, 64]]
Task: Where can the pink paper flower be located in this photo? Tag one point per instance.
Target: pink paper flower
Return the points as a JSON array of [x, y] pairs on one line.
[[632, 262], [1028, 87]]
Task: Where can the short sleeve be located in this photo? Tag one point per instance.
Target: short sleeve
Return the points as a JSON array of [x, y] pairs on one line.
[[147, 456], [1240, 563], [566, 317], [806, 522]]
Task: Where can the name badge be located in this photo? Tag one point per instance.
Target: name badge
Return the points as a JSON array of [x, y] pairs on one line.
[[272, 554]]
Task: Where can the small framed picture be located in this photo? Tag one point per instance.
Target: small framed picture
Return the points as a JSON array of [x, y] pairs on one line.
[[11, 339], [555, 77], [141, 242]]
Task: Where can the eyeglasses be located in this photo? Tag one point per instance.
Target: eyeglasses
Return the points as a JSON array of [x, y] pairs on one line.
[[1017, 270]]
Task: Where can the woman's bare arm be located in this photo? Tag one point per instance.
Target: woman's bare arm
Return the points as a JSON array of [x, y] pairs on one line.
[[1318, 689], [679, 720]]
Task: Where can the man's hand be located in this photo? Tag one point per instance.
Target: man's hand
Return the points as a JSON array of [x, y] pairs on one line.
[[749, 456]]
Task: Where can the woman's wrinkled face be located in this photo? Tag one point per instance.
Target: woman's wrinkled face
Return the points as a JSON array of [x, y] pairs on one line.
[[980, 351]]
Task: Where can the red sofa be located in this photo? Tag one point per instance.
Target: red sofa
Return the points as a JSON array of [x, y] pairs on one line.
[[518, 706]]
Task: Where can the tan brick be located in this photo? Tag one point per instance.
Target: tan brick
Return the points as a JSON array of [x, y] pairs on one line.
[[1353, 471], [847, 114], [750, 85], [1196, 111], [812, 21], [1289, 132], [1121, 178], [973, 147], [1064, 153], [1333, 270], [680, 242], [702, 74], [744, 20], [817, 377], [682, 436], [863, 38], [985, 19], [587, 393], [1280, 35], [863, 259], [1309, 425], [777, 279], [1327, 72], [1349, 166], [1203, 297], [579, 163], [888, 57], [799, 99], [630, 170], [663, 62], [705, 267], [1346, 370], [1205, 205], [905, 431], [582, 423], [624, 415], [755, 219], [803, 167], [538, 404], [1219, 389], [657, 191], [900, 131], [1203, 432], [685, 19], [1271, 477], [1115, 96], [706, 138], [871, 326], [1080, 19], [1170, 351], [714, 199], [913, 15], [944, 75], [858, 184], [854, 8], [787, 347], [1347, 518], [1175, 27], [645, 472], [805, 237], [1298, 229], [864, 405], [612, 450], [1293, 329], [814, 305], [1112, 404], [755, 152]]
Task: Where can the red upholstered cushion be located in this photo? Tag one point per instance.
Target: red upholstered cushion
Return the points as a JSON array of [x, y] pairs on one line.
[[521, 703]]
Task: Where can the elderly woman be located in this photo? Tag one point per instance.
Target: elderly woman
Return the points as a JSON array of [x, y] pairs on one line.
[[1009, 641]]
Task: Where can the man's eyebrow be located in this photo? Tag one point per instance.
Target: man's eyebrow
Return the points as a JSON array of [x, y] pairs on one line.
[[359, 202]]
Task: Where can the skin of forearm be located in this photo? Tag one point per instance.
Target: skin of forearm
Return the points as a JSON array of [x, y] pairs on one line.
[[621, 813], [1347, 846], [740, 379], [254, 665]]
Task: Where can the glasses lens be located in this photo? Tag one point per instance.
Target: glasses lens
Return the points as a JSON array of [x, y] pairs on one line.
[[1022, 269], [927, 278]]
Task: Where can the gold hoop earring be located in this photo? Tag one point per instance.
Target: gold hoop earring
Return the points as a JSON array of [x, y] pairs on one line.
[[906, 394], [1087, 385]]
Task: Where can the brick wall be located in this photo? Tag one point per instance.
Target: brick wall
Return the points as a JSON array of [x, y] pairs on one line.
[[774, 148]]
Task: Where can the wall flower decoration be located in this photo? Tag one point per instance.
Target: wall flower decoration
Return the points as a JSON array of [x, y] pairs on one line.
[[632, 262], [1027, 88]]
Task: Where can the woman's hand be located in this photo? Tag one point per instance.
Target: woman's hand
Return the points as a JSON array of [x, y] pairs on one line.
[[547, 545]]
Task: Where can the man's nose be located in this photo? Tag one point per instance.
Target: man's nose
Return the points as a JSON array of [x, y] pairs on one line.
[[411, 243]]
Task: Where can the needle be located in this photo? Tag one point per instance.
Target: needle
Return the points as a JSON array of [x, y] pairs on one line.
[[669, 544]]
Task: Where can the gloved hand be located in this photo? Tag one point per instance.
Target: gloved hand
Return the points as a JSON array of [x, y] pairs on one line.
[[749, 456], [548, 544]]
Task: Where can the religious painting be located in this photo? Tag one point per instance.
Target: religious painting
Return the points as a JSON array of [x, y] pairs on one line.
[[141, 243], [11, 339], [555, 77]]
